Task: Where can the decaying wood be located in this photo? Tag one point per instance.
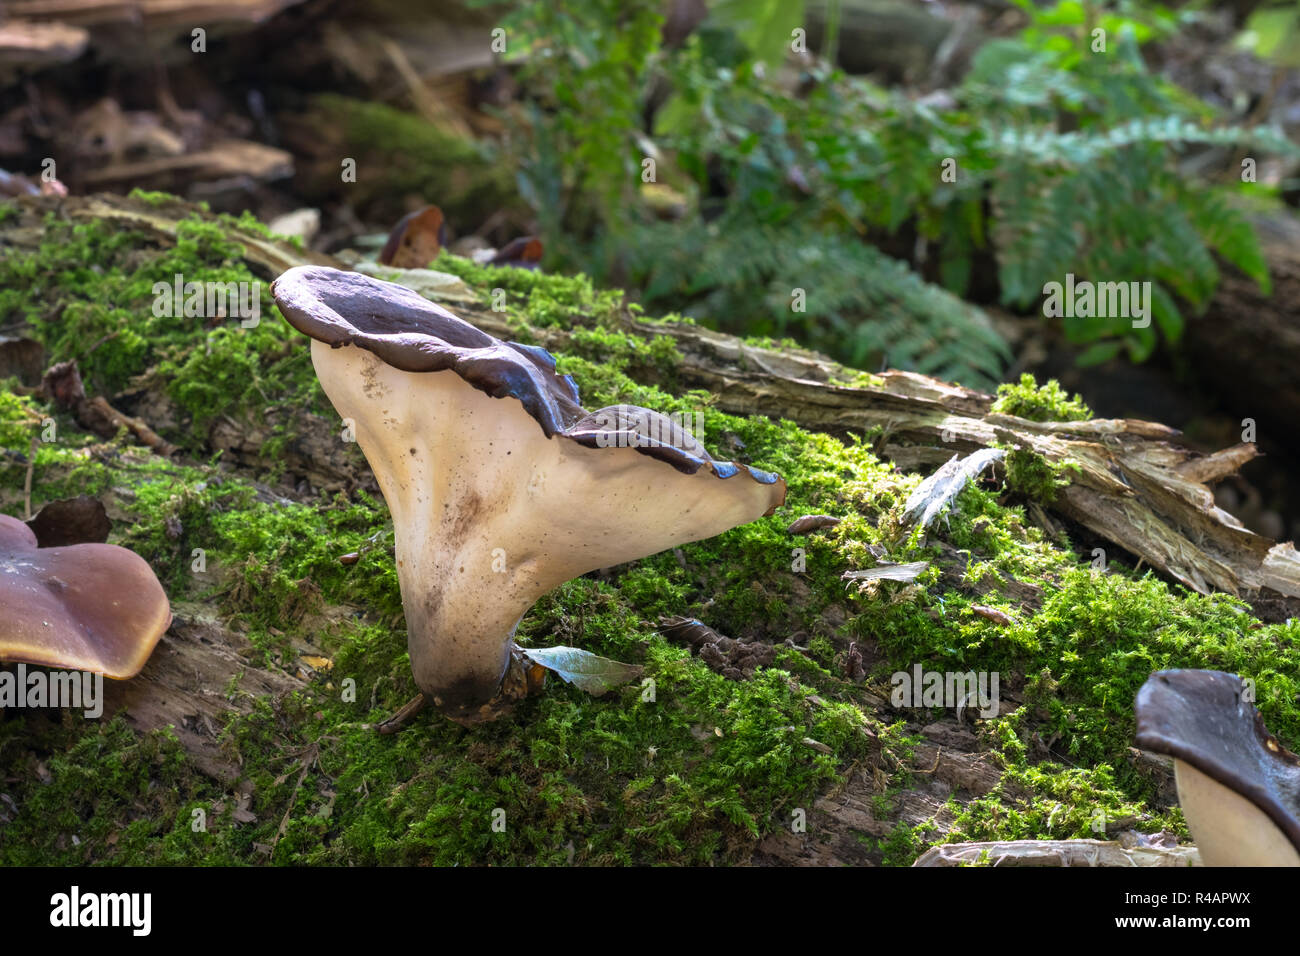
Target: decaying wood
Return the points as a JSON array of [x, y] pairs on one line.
[[1057, 853], [1133, 483], [147, 14], [62, 384], [267, 258], [186, 685], [27, 44], [232, 157], [1129, 488], [947, 763]]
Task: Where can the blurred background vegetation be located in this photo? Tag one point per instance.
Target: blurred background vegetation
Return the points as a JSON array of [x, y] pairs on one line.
[[891, 182], [775, 173]]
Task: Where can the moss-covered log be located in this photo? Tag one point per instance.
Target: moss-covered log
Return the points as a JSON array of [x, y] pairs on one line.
[[812, 759]]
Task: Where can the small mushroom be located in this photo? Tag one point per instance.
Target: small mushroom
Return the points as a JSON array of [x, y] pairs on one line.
[[91, 607], [1239, 788], [500, 484], [416, 240], [522, 253]]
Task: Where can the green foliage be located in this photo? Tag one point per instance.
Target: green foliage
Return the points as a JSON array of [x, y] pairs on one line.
[[757, 269], [1272, 31], [1085, 178], [18, 421], [1061, 158]]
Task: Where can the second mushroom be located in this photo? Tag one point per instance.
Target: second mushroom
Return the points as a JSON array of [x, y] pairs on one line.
[[501, 486]]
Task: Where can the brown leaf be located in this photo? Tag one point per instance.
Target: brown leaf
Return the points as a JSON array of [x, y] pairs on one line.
[[70, 521], [992, 614], [687, 630], [812, 523], [524, 253]]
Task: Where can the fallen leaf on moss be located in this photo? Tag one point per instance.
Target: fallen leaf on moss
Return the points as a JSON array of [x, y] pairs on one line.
[[583, 669]]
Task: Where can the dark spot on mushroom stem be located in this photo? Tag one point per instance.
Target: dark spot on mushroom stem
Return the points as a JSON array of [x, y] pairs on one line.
[[412, 451], [466, 517], [465, 697]]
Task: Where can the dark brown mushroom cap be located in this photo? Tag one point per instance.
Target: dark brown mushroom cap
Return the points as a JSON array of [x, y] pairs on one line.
[[1200, 718], [408, 332], [92, 607]]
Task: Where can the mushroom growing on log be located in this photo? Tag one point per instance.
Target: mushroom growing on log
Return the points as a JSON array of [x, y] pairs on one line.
[[1238, 787], [501, 486], [91, 607]]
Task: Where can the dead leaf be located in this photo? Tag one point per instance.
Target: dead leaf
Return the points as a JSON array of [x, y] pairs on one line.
[[812, 523], [583, 669], [68, 521], [888, 572], [992, 614]]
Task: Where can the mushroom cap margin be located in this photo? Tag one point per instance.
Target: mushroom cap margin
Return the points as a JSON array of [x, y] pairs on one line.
[[1200, 718]]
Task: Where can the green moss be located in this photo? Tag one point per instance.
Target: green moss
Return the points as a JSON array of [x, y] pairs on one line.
[[19, 421], [1046, 403], [541, 299], [1033, 476], [656, 356], [106, 794], [89, 293], [156, 198]]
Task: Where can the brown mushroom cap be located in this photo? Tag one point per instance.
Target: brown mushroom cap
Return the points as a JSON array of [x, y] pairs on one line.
[[1220, 743], [91, 607], [408, 332]]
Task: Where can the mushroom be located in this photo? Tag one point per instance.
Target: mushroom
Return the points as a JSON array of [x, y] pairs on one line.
[[501, 486], [91, 607], [1239, 788]]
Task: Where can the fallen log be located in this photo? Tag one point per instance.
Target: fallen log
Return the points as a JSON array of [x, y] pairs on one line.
[[1133, 483]]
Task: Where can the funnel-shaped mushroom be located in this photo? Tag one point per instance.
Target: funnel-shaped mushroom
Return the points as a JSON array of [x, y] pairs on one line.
[[1239, 788], [91, 607], [500, 484]]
